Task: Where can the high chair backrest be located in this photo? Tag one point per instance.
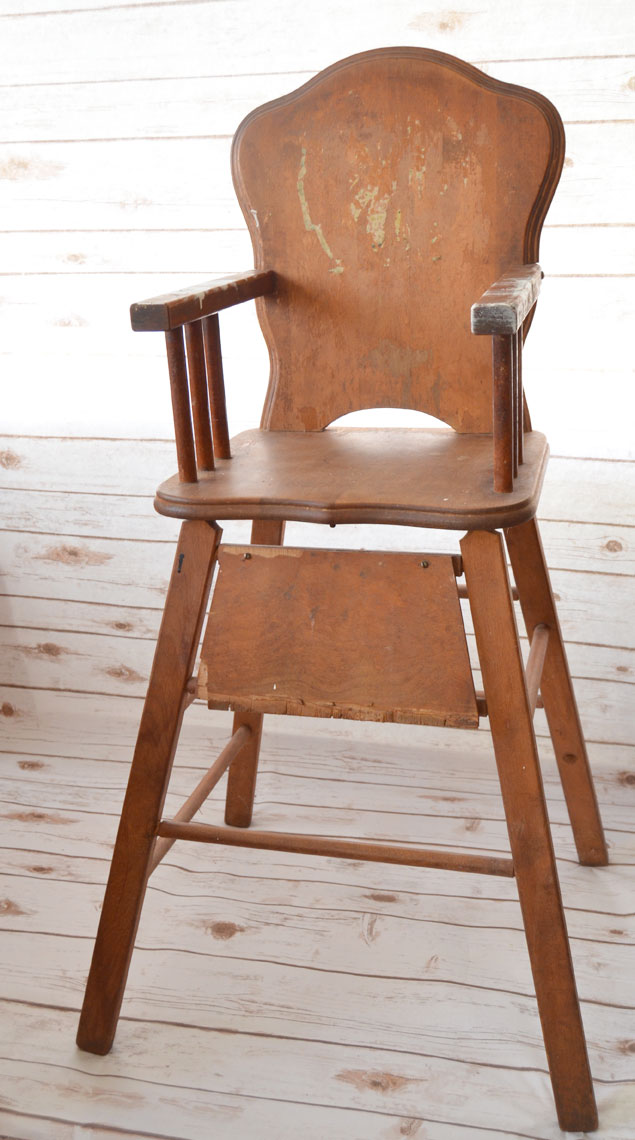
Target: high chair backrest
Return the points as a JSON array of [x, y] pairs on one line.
[[388, 193]]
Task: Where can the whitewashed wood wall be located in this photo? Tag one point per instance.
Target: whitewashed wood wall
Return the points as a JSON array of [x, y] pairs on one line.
[[116, 122]]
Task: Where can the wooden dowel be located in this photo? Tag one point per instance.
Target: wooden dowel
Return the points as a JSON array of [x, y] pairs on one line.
[[181, 406], [203, 789], [535, 662], [462, 592], [503, 413], [199, 397], [520, 398], [216, 383], [515, 405], [481, 703], [338, 848]]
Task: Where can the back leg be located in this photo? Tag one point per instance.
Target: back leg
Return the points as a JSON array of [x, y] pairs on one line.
[[241, 783], [165, 703], [537, 603]]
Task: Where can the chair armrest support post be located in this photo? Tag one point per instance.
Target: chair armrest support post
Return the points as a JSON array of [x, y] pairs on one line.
[[503, 417]]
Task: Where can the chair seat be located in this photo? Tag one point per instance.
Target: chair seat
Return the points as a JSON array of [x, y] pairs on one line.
[[412, 476]]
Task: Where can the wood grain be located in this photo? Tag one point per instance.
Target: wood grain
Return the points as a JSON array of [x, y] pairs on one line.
[[338, 634], [401, 203], [359, 475], [156, 745]]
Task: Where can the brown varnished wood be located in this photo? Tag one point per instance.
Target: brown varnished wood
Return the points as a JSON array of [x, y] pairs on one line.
[[241, 781], [418, 477], [354, 634], [538, 606], [177, 368], [216, 382], [528, 825], [340, 848], [156, 744], [385, 216], [203, 789], [503, 413], [171, 310], [199, 396], [535, 663]]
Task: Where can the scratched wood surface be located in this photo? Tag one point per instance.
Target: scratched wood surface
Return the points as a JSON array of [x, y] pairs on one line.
[[114, 186]]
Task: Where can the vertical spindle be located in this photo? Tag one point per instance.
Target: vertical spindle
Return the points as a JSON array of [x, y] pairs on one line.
[[216, 384], [181, 406], [198, 392], [514, 340], [503, 413], [520, 399]]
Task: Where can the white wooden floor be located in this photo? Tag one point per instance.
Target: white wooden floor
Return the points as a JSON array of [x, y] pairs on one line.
[[283, 996]]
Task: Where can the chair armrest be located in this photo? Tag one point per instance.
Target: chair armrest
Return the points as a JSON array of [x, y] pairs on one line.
[[503, 307], [169, 311]]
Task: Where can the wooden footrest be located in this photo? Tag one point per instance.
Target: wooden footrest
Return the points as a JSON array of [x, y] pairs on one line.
[[359, 634]]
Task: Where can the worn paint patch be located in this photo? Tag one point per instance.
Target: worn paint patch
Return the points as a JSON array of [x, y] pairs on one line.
[[439, 21], [223, 931], [376, 221], [373, 1079], [74, 555], [9, 460], [74, 321], [309, 224], [18, 169], [398, 360]]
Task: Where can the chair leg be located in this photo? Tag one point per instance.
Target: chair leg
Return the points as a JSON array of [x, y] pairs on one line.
[[165, 703], [530, 838], [241, 782], [537, 603]]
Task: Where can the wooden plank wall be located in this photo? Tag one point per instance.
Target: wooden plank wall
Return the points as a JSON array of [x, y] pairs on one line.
[[116, 123], [115, 126]]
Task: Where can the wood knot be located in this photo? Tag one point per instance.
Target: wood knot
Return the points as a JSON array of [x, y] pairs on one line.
[[381, 896], [9, 460], [627, 1047], [7, 906], [626, 778], [569, 758], [377, 1081], [7, 709], [49, 649], [123, 673], [38, 869], [223, 931], [30, 765], [613, 546]]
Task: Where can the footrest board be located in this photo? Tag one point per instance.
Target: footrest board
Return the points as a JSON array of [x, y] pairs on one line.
[[364, 635]]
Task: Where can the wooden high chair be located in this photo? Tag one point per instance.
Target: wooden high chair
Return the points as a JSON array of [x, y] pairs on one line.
[[384, 198]]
